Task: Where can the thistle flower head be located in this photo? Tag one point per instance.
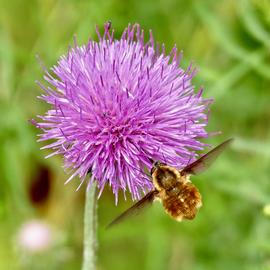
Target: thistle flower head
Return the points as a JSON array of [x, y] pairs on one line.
[[119, 104]]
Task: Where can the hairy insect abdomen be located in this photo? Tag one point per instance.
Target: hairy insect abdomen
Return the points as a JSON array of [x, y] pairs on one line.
[[185, 204]]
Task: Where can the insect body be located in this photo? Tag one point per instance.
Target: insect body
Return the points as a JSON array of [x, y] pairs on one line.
[[180, 198]]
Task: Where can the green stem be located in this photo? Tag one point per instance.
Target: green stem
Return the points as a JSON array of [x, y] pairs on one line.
[[90, 228]]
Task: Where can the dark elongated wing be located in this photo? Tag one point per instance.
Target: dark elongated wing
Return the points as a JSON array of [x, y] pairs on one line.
[[136, 208], [206, 160]]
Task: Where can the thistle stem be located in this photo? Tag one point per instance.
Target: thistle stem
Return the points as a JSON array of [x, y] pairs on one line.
[[90, 228]]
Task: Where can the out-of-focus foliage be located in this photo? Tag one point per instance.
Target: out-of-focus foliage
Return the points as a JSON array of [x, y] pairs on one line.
[[230, 43]]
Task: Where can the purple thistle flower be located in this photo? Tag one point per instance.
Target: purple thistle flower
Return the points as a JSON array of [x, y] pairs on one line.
[[116, 105]]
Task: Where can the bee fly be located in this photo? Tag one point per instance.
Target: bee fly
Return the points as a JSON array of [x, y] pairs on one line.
[[179, 197]]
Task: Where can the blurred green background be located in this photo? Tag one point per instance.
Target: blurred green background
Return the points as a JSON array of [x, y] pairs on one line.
[[230, 42]]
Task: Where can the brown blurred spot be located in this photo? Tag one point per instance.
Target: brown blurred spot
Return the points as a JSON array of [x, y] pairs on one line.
[[40, 186]]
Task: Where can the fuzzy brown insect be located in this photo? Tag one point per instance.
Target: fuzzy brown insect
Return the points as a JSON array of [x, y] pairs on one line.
[[179, 197]]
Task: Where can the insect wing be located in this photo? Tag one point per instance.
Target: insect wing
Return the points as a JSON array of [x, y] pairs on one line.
[[206, 160], [136, 208]]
